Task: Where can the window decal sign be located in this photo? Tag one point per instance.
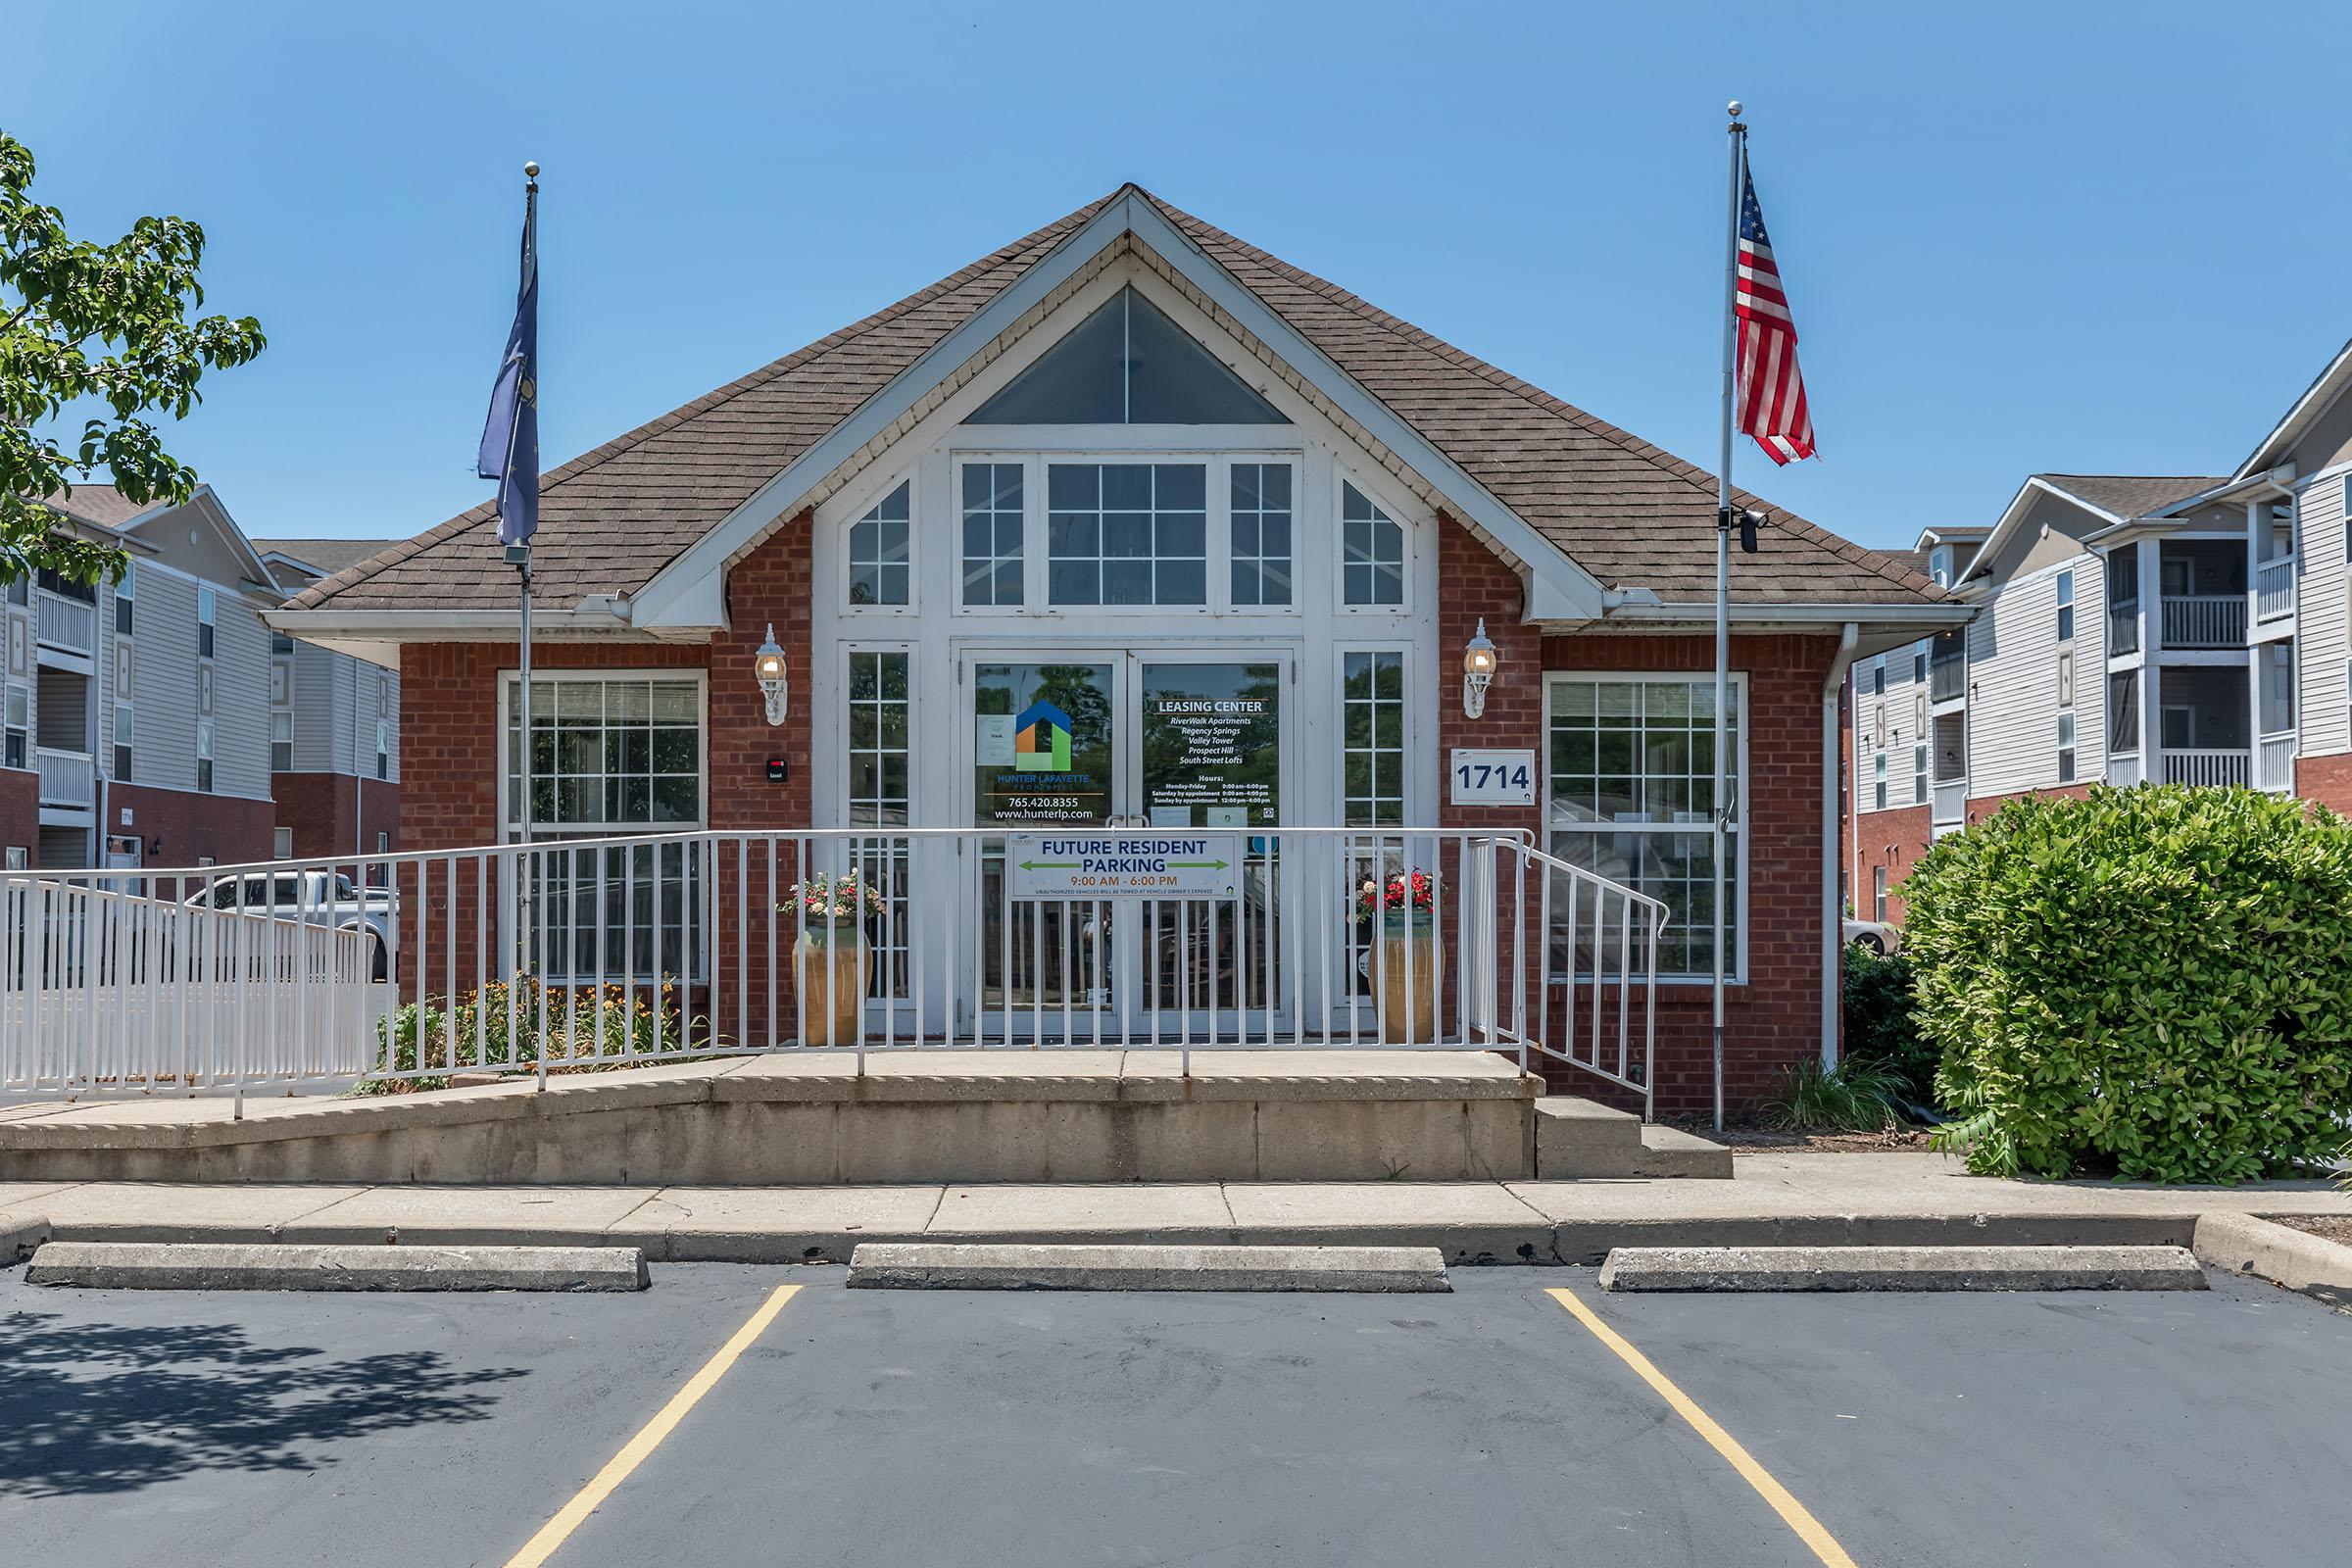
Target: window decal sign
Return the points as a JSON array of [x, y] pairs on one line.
[[1109, 865], [1040, 740]]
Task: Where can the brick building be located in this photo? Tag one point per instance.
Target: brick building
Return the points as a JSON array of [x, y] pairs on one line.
[[1126, 469]]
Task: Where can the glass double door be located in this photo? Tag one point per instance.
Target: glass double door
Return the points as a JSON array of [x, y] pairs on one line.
[[1086, 740]]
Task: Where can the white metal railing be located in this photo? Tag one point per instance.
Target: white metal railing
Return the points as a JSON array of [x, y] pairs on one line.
[[68, 623], [2274, 588], [2275, 762], [68, 778], [568, 954], [2123, 769], [103, 987], [2204, 621], [1949, 801], [2206, 765]]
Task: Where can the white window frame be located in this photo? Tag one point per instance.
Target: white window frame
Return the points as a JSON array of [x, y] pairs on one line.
[[2068, 756], [1878, 894], [281, 719], [1921, 791], [839, 700], [911, 478], [125, 595], [208, 611], [207, 768], [1736, 969], [507, 690], [1297, 472], [1409, 524], [1409, 741], [126, 737], [1878, 779], [2065, 620], [281, 844]]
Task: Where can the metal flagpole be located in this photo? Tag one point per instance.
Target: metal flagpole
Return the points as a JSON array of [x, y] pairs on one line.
[[1723, 578], [518, 555]]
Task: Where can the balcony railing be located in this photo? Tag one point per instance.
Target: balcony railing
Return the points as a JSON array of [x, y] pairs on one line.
[[2275, 763], [66, 623], [68, 778], [1947, 678], [2204, 621], [2208, 767], [2275, 589], [1949, 802], [2123, 769]]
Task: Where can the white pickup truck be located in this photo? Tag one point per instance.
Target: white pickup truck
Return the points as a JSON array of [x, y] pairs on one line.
[[316, 897]]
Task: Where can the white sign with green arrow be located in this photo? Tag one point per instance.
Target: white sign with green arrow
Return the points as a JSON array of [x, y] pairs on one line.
[[1124, 865]]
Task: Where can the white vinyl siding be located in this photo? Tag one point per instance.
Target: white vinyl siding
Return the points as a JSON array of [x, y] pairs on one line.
[[2321, 643], [2013, 669], [1901, 705]]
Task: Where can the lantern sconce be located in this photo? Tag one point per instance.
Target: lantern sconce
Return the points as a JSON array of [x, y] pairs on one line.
[[1478, 671], [768, 662]]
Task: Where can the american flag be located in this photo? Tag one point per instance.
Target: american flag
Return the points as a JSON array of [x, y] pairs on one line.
[[1771, 390]]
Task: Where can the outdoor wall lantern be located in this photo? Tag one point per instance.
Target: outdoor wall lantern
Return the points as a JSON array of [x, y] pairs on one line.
[[769, 661], [1478, 671]]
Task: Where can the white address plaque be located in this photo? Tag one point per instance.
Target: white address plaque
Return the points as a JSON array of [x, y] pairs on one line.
[[1492, 778]]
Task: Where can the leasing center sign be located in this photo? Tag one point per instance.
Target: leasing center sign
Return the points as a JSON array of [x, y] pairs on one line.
[[1111, 865]]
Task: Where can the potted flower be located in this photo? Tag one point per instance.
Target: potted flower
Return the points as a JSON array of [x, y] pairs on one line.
[[1410, 955], [832, 962]]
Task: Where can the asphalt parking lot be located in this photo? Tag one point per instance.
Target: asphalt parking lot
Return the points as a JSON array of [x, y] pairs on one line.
[[1490, 1425]]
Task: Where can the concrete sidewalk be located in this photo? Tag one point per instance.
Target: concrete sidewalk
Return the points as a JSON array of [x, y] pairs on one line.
[[1777, 1199]]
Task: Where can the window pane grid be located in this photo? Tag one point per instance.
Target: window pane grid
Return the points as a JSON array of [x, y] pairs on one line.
[[1372, 552], [1127, 533], [992, 533], [609, 755], [1372, 702], [1261, 533], [1632, 776], [878, 551], [881, 794]]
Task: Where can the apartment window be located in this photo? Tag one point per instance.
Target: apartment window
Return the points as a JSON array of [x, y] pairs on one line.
[[19, 589], [19, 856], [124, 605], [1919, 666], [19, 725], [992, 533], [1261, 533], [1371, 553], [2066, 747], [122, 743], [1127, 533], [281, 844], [2348, 517], [1878, 894], [281, 741], [203, 754], [2123, 599], [878, 550], [1939, 565], [204, 623], [881, 792], [1919, 773], [383, 841], [1877, 676], [383, 748], [1877, 780], [282, 644], [2066, 605], [1631, 780], [1372, 743]]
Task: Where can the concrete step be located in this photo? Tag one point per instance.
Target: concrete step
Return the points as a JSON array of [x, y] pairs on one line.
[[1583, 1138]]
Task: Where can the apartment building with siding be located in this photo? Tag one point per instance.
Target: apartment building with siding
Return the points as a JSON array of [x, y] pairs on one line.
[[2184, 629], [334, 722], [143, 714]]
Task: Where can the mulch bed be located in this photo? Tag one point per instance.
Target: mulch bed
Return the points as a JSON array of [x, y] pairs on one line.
[[1748, 1134], [2328, 1227]]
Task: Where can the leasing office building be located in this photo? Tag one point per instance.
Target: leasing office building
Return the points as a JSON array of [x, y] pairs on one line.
[[1125, 470]]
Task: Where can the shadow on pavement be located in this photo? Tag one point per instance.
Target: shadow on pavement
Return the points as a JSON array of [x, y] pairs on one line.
[[97, 1408]]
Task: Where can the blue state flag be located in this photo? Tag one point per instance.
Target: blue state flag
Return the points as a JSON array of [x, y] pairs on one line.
[[510, 438]]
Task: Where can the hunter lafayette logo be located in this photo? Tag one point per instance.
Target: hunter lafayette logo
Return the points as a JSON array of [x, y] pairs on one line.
[[1040, 740]]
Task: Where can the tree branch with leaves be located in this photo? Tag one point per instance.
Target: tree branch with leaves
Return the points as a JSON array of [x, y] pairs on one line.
[[100, 327]]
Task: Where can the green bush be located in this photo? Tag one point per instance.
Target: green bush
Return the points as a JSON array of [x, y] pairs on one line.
[[1853, 1096], [2155, 982], [586, 1029], [1881, 1025]]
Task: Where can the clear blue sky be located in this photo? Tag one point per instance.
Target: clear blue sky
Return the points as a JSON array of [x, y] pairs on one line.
[[2017, 237]]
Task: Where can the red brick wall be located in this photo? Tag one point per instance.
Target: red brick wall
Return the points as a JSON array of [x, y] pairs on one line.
[[20, 811], [1775, 1019], [2326, 781], [1894, 839], [191, 824], [331, 817]]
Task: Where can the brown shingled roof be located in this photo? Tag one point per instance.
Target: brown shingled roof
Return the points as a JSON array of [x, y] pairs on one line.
[[1625, 511], [101, 504], [2131, 495]]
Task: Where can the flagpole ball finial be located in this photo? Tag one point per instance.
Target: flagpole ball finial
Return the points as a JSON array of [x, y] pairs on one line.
[[1736, 108], [531, 170]]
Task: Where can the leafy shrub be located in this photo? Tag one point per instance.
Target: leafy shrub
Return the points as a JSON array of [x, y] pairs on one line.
[[1881, 1024], [587, 1028], [1853, 1096], [2152, 981]]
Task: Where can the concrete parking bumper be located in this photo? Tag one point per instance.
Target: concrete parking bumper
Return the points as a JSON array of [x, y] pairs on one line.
[[2245, 1244], [954, 1266], [210, 1266], [1901, 1268]]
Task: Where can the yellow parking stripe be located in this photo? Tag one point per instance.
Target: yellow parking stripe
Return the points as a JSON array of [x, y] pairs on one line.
[[558, 1530], [1793, 1512]]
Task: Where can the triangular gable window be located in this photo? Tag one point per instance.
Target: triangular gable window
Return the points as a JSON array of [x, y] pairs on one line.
[[1127, 364]]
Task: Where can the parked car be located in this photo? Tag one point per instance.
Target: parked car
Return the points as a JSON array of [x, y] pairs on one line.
[[316, 897], [1876, 935]]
